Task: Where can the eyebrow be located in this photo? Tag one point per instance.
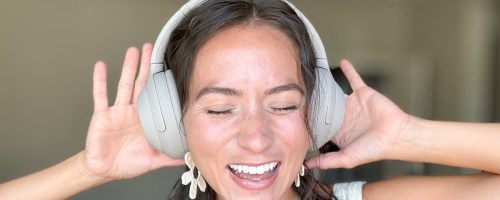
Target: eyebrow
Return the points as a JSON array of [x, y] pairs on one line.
[[233, 92], [283, 88], [218, 90]]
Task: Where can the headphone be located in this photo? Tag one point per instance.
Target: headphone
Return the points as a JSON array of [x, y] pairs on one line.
[[160, 110]]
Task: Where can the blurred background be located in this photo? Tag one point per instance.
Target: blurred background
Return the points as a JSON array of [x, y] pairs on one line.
[[437, 59]]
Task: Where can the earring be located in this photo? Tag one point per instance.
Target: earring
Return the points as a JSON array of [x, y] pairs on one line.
[[188, 177], [301, 173]]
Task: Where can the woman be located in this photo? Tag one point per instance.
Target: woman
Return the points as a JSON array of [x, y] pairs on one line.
[[254, 113], [246, 92]]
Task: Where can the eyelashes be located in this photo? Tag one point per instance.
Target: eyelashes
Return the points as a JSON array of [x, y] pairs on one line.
[[277, 110], [223, 112], [284, 109]]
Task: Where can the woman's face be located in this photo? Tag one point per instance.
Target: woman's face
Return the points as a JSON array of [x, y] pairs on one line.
[[245, 116]]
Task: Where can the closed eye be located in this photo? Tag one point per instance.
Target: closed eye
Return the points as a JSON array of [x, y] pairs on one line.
[[284, 109], [221, 112]]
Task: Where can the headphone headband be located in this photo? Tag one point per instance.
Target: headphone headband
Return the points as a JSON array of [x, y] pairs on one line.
[[162, 40]]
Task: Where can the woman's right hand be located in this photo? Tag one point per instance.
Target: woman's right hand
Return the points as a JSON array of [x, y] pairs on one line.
[[116, 147]]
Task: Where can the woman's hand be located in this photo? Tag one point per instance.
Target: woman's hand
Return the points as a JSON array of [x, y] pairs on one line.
[[372, 126], [116, 147]]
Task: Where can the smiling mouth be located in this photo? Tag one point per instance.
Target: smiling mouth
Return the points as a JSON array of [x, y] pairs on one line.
[[254, 173]]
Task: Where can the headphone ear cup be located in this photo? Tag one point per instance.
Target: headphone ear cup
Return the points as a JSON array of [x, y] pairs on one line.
[[147, 122], [160, 115], [328, 107]]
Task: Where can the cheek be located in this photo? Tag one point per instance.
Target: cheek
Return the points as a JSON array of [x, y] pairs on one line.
[[208, 144], [292, 131], [200, 136], [206, 139]]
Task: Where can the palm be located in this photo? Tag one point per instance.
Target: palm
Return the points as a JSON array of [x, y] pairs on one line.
[[115, 144], [372, 123], [371, 126], [116, 147]]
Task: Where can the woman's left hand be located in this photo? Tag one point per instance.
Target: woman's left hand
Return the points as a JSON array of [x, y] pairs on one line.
[[372, 125]]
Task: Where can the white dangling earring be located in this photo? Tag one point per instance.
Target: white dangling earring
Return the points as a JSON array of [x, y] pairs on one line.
[[301, 173], [188, 177]]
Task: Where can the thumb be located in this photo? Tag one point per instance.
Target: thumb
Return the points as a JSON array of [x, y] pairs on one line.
[[330, 160], [163, 160]]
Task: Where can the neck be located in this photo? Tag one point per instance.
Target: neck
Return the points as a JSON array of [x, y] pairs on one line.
[[288, 195]]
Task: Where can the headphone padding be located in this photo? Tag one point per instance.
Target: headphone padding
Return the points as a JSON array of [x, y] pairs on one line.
[[328, 107], [165, 131]]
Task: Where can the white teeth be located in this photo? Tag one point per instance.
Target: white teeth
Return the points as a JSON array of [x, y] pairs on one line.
[[261, 169], [252, 170]]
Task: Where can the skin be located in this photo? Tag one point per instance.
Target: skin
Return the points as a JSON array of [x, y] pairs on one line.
[[375, 129], [254, 125]]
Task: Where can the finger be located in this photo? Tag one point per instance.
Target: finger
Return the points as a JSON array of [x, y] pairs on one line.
[[142, 78], [352, 76], [126, 83], [329, 161], [99, 91]]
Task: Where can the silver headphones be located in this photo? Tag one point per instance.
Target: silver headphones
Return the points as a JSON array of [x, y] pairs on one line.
[[160, 110]]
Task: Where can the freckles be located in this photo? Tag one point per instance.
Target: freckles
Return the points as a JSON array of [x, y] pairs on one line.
[[293, 126], [208, 132], [195, 133], [200, 132]]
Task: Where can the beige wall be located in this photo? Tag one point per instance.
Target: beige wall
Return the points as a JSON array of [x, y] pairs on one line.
[[433, 48], [48, 49]]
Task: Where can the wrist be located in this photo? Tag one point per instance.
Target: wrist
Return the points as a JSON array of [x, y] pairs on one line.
[[409, 140], [91, 178]]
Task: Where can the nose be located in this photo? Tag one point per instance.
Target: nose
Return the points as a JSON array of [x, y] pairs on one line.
[[255, 134]]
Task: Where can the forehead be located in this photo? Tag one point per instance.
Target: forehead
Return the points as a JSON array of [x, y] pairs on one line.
[[250, 34], [251, 52]]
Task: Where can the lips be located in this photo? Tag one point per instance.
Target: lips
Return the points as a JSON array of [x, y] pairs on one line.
[[261, 169], [254, 177]]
